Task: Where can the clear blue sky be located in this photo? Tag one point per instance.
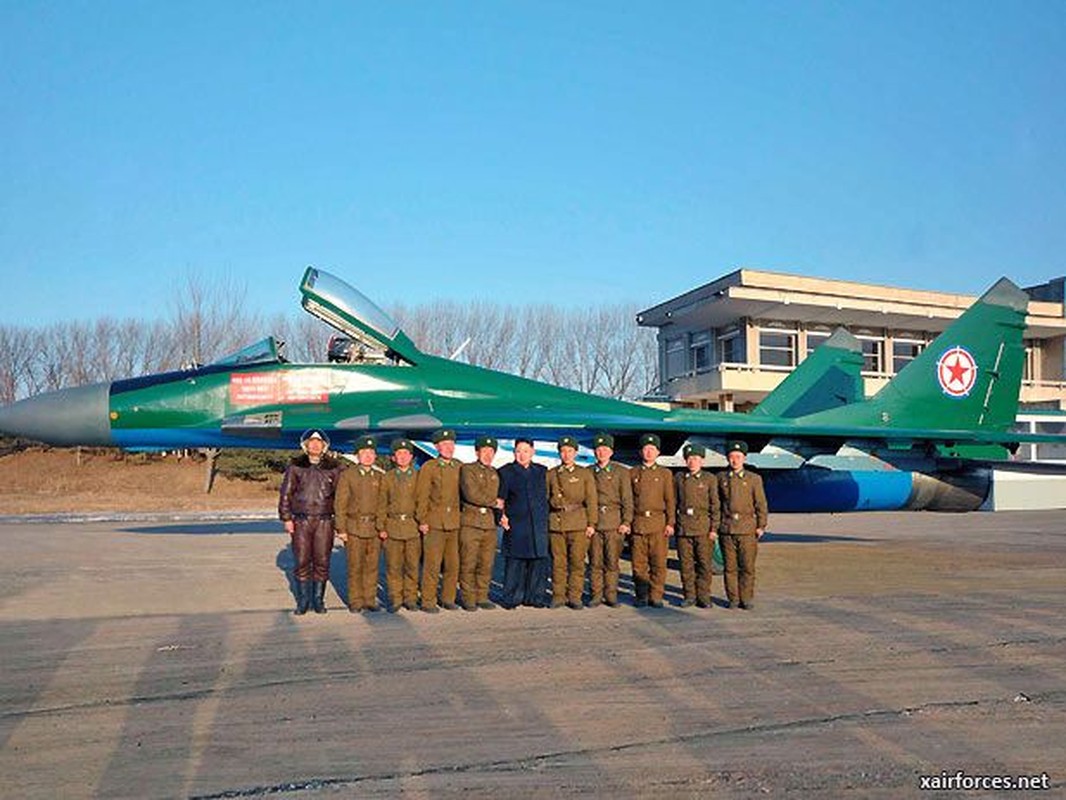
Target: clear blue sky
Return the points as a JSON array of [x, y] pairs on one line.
[[534, 151]]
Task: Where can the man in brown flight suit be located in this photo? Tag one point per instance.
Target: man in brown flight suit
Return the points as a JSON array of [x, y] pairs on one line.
[[398, 529], [479, 485], [698, 512], [437, 511], [614, 520], [654, 507], [744, 516], [355, 510], [305, 506], [572, 517]]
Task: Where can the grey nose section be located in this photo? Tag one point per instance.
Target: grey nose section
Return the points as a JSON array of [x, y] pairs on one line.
[[67, 417]]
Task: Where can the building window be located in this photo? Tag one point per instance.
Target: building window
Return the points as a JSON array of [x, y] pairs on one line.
[[873, 354], [701, 351], [904, 351], [1050, 451], [730, 348], [675, 357], [777, 348], [815, 340]]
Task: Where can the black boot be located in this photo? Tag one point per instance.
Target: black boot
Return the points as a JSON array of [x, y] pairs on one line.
[[303, 597], [318, 599]]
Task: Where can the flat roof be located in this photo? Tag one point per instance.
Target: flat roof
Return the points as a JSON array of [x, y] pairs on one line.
[[782, 296]]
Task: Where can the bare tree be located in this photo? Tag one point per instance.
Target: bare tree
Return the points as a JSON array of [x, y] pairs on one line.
[[16, 361], [210, 320]]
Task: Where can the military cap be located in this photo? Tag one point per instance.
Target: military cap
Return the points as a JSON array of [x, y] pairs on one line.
[[365, 443], [402, 444], [524, 440], [486, 441], [738, 445], [567, 441], [651, 438], [603, 440], [694, 450], [445, 435]]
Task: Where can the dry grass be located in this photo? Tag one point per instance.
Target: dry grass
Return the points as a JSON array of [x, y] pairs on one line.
[[53, 482]]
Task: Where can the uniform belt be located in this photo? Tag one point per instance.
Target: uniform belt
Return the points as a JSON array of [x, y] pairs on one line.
[[651, 513], [401, 517], [483, 510], [366, 517], [604, 508], [573, 507], [312, 516]]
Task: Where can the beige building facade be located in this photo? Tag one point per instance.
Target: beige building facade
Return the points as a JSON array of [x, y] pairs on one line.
[[727, 344]]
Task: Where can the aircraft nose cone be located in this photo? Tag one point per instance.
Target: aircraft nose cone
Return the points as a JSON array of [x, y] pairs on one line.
[[66, 417]]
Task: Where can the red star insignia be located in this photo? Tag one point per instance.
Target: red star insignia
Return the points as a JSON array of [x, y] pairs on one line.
[[957, 370]]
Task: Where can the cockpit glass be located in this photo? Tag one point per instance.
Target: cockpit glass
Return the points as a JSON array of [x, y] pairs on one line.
[[351, 301], [264, 351]]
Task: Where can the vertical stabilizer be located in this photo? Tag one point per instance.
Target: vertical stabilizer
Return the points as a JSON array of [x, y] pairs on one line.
[[969, 377], [830, 377]]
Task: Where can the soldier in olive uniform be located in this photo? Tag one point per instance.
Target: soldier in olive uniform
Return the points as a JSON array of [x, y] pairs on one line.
[[355, 510], [698, 512], [398, 529], [654, 507], [613, 522], [572, 503], [744, 516], [479, 485], [437, 510]]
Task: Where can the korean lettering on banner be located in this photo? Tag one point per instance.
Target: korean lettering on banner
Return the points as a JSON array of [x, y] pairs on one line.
[[266, 388]]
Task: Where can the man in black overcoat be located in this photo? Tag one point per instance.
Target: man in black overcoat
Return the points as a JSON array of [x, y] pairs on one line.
[[524, 503]]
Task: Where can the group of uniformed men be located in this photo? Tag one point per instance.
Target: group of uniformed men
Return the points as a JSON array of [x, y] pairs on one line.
[[442, 519]]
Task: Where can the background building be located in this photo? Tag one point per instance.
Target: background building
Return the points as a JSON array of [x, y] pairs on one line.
[[727, 344]]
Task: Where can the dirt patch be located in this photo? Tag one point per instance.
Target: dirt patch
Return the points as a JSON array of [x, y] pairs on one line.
[[56, 481]]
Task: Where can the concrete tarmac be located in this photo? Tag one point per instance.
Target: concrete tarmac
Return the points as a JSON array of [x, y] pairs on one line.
[[159, 659]]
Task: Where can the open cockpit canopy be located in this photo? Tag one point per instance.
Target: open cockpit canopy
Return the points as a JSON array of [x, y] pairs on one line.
[[352, 313]]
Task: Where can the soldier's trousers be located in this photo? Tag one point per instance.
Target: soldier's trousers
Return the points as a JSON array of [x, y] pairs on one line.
[[738, 555], [477, 554], [695, 553], [364, 555], [649, 566], [312, 543], [401, 570], [440, 552], [569, 549], [605, 549]]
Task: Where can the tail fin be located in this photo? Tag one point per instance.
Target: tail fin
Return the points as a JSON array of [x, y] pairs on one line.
[[969, 377], [830, 377]]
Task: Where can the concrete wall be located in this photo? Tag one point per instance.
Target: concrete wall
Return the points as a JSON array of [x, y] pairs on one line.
[[1013, 491]]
